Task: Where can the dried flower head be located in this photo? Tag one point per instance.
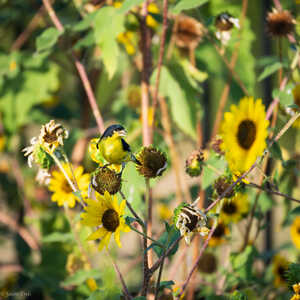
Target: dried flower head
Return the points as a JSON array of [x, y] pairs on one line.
[[38, 155], [105, 179], [30, 150], [52, 135], [153, 162], [207, 263], [189, 219], [216, 145], [280, 23], [189, 32], [222, 184], [194, 163], [224, 24]]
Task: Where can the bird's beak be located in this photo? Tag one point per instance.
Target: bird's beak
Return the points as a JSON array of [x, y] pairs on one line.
[[122, 133]]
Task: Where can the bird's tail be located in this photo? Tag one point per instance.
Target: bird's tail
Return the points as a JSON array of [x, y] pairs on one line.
[[134, 159]]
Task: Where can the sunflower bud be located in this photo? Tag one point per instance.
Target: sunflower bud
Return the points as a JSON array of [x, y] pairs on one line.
[[207, 263], [222, 184], [280, 23], [216, 145], [105, 179], [194, 163], [189, 219], [153, 162]]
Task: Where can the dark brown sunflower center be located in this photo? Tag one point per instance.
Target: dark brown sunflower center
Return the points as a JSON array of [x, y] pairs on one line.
[[281, 272], [246, 134], [66, 187], [298, 230], [220, 231], [110, 220], [297, 100], [229, 208], [50, 137], [194, 219]]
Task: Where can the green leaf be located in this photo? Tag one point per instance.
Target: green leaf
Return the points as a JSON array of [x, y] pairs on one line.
[[179, 105], [128, 5], [35, 84], [209, 175], [276, 151], [237, 295], [81, 276], [107, 24], [58, 237], [139, 298], [269, 70], [286, 96], [47, 39], [187, 4], [167, 238], [96, 295], [242, 262], [110, 54], [265, 202], [166, 284]]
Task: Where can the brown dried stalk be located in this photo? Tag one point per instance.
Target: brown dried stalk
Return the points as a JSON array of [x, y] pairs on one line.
[[80, 68]]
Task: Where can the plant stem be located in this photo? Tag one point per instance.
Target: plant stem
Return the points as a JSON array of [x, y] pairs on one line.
[[146, 236], [125, 289], [160, 61], [132, 210], [80, 68], [197, 260], [225, 93]]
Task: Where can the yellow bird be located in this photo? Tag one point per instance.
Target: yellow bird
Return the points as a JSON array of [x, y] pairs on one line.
[[114, 148]]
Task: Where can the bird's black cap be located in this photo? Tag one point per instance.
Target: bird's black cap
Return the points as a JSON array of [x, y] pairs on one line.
[[109, 131]]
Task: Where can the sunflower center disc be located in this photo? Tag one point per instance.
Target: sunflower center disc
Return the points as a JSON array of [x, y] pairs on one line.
[[110, 220], [246, 134], [229, 208], [66, 187], [281, 272], [219, 232]]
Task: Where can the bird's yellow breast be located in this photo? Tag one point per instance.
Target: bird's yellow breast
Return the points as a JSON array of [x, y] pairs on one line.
[[112, 150]]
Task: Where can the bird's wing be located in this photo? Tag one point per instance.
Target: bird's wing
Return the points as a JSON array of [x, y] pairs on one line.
[[126, 147]]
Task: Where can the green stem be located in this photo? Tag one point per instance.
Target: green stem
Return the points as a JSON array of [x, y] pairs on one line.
[[148, 237]]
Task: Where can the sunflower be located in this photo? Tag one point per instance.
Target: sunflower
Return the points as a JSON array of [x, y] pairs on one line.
[[295, 232], [235, 208], [279, 268], [62, 192], [107, 215], [244, 132], [219, 235]]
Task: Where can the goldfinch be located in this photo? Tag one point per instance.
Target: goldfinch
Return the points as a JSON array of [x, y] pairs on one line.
[[114, 148]]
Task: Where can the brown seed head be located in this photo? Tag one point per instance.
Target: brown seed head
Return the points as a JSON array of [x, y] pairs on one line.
[[189, 32], [280, 23], [221, 185], [153, 162], [207, 263], [105, 179]]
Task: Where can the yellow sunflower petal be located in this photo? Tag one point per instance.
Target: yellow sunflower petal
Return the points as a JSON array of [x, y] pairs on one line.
[[97, 234], [117, 237], [105, 241]]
